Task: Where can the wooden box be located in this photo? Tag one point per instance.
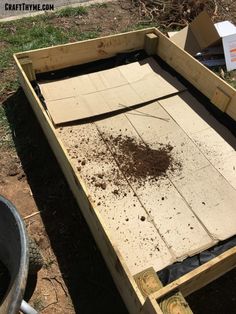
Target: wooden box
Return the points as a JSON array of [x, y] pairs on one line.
[[142, 226]]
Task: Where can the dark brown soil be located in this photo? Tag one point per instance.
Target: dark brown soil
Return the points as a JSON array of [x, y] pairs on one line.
[[140, 162]]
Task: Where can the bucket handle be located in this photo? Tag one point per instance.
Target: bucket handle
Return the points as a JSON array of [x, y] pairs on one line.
[[27, 309]]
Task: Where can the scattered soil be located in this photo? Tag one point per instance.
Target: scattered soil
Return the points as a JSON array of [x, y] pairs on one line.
[[140, 162]]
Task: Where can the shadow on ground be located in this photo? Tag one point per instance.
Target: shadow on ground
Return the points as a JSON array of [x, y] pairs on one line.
[[85, 274]]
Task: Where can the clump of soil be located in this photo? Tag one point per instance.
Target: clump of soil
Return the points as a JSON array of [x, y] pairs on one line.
[[140, 162]]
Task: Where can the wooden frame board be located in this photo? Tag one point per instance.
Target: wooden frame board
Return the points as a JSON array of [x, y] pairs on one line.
[[220, 94]]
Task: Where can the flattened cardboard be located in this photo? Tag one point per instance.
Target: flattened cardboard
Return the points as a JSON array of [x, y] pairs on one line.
[[105, 91]]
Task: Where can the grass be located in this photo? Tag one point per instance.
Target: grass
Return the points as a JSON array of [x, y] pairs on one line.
[[37, 32], [69, 11], [103, 5], [48, 263], [33, 33], [38, 304], [5, 131]]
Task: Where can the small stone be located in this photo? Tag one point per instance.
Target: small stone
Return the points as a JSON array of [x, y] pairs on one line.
[[13, 171], [83, 162], [142, 218], [21, 176]]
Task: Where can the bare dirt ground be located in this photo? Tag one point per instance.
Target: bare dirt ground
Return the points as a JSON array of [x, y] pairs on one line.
[[74, 278]]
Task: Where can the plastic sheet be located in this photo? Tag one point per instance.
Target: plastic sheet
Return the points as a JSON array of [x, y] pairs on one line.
[[176, 270]]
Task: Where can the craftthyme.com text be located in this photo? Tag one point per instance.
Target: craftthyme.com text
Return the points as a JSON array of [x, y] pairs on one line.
[[28, 7]]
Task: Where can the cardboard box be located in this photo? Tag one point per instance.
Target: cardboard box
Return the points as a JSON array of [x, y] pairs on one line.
[[203, 33]]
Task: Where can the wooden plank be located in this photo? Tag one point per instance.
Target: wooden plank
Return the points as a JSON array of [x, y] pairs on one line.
[[120, 273], [220, 99], [172, 305], [200, 276], [174, 219], [27, 66], [175, 304], [62, 56], [148, 281], [231, 109], [150, 45], [151, 307], [202, 78]]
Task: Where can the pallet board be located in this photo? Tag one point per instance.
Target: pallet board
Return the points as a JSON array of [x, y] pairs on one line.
[[146, 223]]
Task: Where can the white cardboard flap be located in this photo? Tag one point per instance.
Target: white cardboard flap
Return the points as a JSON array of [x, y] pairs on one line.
[[225, 28]]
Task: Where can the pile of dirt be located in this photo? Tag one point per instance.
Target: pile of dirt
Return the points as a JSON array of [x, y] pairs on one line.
[[139, 162]]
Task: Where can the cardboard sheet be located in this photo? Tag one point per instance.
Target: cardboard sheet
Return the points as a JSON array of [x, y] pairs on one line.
[[202, 33], [109, 90], [198, 35], [186, 211]]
